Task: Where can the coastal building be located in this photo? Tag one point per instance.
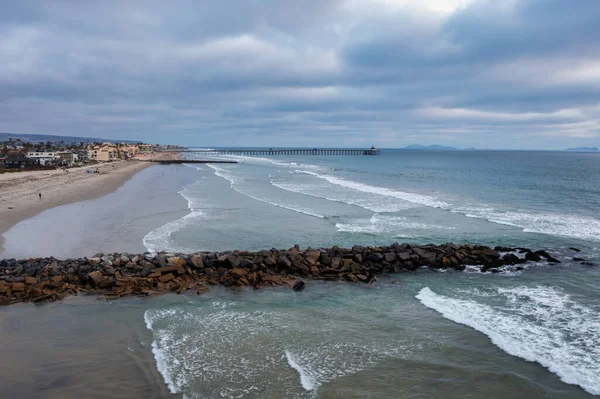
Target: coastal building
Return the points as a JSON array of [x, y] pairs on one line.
[[43, 158], [81, 156], [145, 148], [127, 151], [65, 158], [16, 160], [105, 153]]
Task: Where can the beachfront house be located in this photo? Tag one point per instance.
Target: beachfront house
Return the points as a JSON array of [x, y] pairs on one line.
[[104, 153], [145, 148], [65, 158], [127, 151], [43, 158], [17, 160], [81, 156]]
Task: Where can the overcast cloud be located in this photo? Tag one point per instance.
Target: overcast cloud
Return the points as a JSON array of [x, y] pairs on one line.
[[482, 73]]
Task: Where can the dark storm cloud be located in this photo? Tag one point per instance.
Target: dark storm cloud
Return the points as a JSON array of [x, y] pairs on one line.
[[247, 72]]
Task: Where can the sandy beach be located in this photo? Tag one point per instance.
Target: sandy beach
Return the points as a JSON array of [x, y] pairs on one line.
[[20, 191]]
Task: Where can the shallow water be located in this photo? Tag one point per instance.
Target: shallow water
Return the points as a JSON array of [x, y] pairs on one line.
[[530, 333], [332, 340]]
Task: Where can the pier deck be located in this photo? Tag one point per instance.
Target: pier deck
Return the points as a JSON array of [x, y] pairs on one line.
[[182, 161], [285, 151]]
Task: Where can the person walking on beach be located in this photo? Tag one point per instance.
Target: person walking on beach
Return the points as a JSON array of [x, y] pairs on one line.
[[40, 195]]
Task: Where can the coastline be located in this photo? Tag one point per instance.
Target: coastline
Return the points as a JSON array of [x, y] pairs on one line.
[[19, 191]]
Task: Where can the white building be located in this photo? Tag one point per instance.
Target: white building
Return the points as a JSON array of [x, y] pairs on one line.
[[43, 157]]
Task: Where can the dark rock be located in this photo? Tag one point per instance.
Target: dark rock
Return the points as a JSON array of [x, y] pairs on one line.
[[146, 271], [511, 259], [390, 257], [374, 257], [299, 285], [403, 256], [546, 255], [284, 262], [17, 270], [504, 249], [575, 249], [532, 257], [589, 264], [426, 257], [270, 261], [233, 260]]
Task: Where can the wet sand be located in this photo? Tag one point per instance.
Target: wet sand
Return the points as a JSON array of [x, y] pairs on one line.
[[19, 191], [116, 222], [79, 348]]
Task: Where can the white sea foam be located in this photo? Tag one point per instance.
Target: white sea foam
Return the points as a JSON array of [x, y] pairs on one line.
[[418, 199], [234, 184], [305, 380], [565, 225], [256, 159], [371, 203], [160, 346], [215, 350], [383, 224], [538, 324], [159, 239]]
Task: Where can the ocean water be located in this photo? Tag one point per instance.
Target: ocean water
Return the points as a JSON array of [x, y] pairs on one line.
[[527, 334]]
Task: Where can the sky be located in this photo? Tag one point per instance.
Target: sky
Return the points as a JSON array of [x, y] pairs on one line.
[[514, 74]]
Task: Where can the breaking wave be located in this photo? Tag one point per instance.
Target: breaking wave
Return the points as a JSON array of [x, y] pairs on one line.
[[563, 225], [418, 199], [160, 239], [234, 185], [538, 324]]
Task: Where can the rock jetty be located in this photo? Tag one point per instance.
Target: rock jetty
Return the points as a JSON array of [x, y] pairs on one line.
[[112, 276]]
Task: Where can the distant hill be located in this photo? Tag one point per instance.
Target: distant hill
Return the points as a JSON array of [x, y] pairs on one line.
[[42, 138], [429, 147], [583, 149]]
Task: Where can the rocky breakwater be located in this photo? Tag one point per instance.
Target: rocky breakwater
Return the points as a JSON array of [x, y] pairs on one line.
[[117, 275]]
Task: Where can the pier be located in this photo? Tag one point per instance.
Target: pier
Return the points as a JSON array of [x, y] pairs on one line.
[[182, 161], [285, 151]]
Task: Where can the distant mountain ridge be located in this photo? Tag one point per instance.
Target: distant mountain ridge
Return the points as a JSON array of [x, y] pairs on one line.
[[39, 138], [429, 147], [583, 149]]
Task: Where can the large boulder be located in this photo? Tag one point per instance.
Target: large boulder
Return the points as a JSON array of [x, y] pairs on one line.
[[374, 257], [546, 255], [177, 261], [390, 257], [269, 261], [426, 257], [312, 257], [532, 257], [233, 260], [197, 262], [403, 256], [284, 263]]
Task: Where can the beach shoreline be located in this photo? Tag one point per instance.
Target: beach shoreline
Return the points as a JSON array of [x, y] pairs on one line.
[[20, 191]]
